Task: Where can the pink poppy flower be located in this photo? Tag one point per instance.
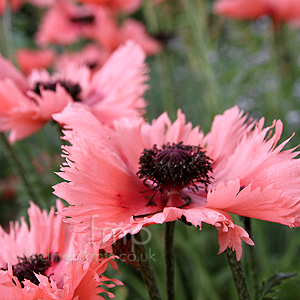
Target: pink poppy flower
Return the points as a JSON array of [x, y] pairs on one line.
[[127, 6], [113, 92], [64, 23], [139, 174], [279, 11], [48, 261], [29, 59]]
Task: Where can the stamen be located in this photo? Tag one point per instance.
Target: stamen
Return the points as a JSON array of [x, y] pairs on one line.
[[73, 89], [88, 19], [174, 167], [27, 266]]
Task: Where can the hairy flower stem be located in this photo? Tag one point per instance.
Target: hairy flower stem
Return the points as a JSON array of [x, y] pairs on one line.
[[12, 156], [253, 265], [169, 259], [145, 269], [238, 275]]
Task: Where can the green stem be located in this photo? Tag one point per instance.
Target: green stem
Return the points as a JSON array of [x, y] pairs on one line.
[[12, 156], [238, 275], [169, 259], [198, 47], [285, 67], [253, 265], [145, 269], [7, 35]]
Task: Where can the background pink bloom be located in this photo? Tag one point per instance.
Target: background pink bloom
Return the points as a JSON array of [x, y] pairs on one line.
[[66, 22], [13, 4], [279, 11], [75, 268], [22, 115], [128, 6], [29, 59], [136, 31], [102, 165], [114, 91]]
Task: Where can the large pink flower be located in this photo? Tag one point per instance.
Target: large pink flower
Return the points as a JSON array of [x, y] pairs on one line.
[[48, 261], [279, 11], [140, 174], [112, 92]]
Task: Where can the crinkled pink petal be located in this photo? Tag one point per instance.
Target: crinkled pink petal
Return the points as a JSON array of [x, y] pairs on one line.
[[230, 235], [117, 88], [7, 70], [267, 204], [17, 113]]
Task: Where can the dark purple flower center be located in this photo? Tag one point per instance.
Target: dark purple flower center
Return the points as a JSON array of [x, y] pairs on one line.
[[174, 167], [87, 19], [73, 89], [27, 266]]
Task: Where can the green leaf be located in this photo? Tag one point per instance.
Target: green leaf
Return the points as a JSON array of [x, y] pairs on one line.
[[267, 287]]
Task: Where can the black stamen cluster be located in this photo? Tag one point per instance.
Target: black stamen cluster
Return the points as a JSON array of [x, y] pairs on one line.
[[175, 166], [88, 19], [92, 65], [73, 89], [27, 265]]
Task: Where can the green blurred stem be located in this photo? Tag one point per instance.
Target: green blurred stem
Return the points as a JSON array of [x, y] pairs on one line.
[[169, 259], [7, 35], [198, 48], [285, 61], [150, 16], [145, 269], [238, 275], [253, 264], [16, 163], [164, 60]]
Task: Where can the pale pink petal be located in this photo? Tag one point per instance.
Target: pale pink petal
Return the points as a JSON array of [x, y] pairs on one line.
[[267, 204], [120, 84], [136, 31], [7, 70], [29, 59]]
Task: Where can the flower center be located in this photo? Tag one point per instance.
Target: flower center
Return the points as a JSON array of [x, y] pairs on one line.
[[27, 266], [87, 19], [91, 65], [174, 167], [73, 89]]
